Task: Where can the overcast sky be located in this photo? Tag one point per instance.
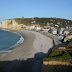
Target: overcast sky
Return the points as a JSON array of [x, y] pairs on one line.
[[35, 8]]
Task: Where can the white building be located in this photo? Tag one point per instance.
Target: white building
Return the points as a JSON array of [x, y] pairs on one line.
[[28, 27], [54, 30], [33, 26], [66, 32], [57, 25], [61, 31], [37, 28]]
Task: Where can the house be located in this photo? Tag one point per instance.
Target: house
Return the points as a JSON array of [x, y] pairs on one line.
[[28, 27], [50, 30], [66, 32], [54, 30], [37, 28], [56, 25], [45, 28], [61, 30], [48, 24], [33, 26], [32, 21], [67, 27], [51, 23], [51, 19]]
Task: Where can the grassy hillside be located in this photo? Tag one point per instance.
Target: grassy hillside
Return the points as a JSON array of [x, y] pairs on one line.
[[44, 21], [26, 21], [61, 54]]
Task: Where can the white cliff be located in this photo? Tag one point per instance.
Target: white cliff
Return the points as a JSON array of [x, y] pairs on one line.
[[11, 24]]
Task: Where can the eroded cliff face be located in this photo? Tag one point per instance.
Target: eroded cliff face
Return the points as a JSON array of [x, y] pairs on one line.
[[11, 24]]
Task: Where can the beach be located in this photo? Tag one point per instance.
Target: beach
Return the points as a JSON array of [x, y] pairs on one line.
[[35, 47]]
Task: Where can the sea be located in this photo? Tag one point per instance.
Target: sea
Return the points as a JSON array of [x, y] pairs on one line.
[[9, 40]]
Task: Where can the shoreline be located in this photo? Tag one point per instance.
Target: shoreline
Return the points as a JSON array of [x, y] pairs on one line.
[[28, 55], [6, 53], [34, 44], [21, 39]]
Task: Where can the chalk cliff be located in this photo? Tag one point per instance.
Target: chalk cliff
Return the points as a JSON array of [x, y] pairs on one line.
[[11, 24]]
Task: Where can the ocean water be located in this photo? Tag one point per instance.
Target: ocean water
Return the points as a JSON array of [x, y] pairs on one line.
[[9, 40]]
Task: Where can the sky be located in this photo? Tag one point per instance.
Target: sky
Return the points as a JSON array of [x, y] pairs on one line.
[[35, 8]]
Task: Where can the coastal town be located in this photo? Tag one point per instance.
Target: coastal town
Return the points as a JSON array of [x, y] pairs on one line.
[[57, 36], [35, 35], [54, 26]]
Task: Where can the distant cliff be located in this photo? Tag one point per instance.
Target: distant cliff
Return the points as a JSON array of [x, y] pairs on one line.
[[11, 24], [19, 23]]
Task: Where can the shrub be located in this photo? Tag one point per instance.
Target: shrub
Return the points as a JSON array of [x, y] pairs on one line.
[[69, 44], [56, 53]]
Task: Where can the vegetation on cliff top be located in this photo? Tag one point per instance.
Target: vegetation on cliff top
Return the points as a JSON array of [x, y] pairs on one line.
[[44, 21], [64, 54]]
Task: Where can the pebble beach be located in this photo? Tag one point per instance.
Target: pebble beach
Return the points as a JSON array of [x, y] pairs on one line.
[[35, 46]]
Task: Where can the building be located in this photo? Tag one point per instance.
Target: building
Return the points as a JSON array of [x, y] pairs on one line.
[[51, 19], [33, 21], [33, 26], [54, 30], [66, 32], [37, 28], [28, 27], [48, 24], [60, 31], [58, 23]]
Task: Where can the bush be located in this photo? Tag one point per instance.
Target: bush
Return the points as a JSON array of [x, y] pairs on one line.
[[70, 52], [69, 44], [56, 53]]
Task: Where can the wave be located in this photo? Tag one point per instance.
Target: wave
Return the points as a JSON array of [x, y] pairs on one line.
[[17, 43]]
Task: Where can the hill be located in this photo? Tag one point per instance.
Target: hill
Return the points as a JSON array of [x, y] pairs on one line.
[[45, 21]]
